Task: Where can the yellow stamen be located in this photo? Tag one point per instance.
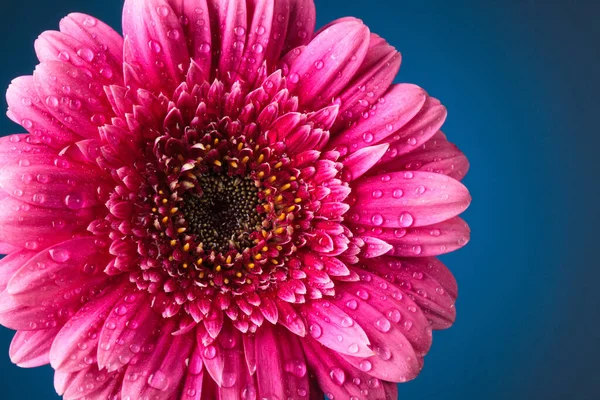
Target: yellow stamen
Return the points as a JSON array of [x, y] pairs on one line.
[[286, 187], [228, 259], [165, 201], [291, 208], [154, 209], [173, 242], [261, 158], [272, 178], [218, 163], [226, 280], [174, 210], [218, 268], [251, 265], [245, 160], [278, 165], [180, 230], [265, 248], [185, 265], [165, 220], [258, 256], [233, 164], [261, 174], [186, 247], [297, 200], [279, 231], [238, 274]]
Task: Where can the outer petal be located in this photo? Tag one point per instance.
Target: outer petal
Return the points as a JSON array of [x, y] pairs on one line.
[[426, 280], [337, 378], [327, 323], [405, 199], [30, 349], [38, 175], [281, 363], [159, 375], [301, 27], [155, 44], [126, 331], [195, 23], [329, 62], [26, 108], [375, 75], [361, 161], [75, 347], [85, 42], [34, 228], [73, 97], [195, 375], [429, 240], [436, 155], [62, 270], [11, 264], [397, 107]]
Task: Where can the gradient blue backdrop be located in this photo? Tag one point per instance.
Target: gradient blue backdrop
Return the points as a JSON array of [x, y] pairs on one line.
[[520, 80]]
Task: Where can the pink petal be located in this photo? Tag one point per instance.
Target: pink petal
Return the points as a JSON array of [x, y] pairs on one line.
[[393, 111], [159, 374], [91, 383], [337, 378], [229, 27], [266, 35], [329, 62], [11, 264], [84, 108], [155, 43], [301, 25], [195, 23], [224, 359], [361, 161], [126, 331], [281, 363], [30, 349], [97, 36], [34, 228], [27, 109], [405, 199], [429, 283], [425, 241], [375, 75], [391, 391], [192, 388], [80, 49], [55, 272], [14, 315], [39, 176], [420, 129], [395, 359], [76, 345], [436, 155], [375, 247], [327, 323]]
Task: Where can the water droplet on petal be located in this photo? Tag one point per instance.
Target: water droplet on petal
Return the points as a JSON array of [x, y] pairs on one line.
[[315, 330], [377, 194], [319, 64], [405, 220], [158, 380], [59, 255], [383, 324], [338, 376], [377, 219], [365, 365]]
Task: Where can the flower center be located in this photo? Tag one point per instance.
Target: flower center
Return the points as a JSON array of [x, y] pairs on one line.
[[225, 213]]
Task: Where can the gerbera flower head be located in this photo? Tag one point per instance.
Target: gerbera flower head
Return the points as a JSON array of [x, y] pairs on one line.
[[225, 204]]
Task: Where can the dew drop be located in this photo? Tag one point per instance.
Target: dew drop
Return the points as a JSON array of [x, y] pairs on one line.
[[86, 53], [352, 304], [59, 255], [365, 365], [337, 375], [315, 330], [158, 380], [155, 46], [319, 64], [405, 220], [239, 30], [383, 324], [377, 219], [163, 11], [377, 194]]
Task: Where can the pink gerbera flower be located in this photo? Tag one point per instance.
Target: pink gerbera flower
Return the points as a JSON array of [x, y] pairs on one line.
[[225, 205]]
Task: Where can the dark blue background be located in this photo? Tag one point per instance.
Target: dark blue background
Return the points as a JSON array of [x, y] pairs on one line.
[[520, 80]]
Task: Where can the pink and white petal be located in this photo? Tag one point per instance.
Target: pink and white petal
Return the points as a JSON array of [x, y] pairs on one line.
[[26, 108], [327, 324], [328, 63], [100, 38], [392, 111], [418, 279], [73, 96], [425, 241], [195, 23], [74, 265], [192, 388], [34, 228], [301, 25], [160, 373], [395, 359], [126, 331], [281, 363], [10, 264], [30, 349], [75, 346], [361, 161], [338, 379], [436, 155], [374, 77], [407, 199], [154, 43]]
